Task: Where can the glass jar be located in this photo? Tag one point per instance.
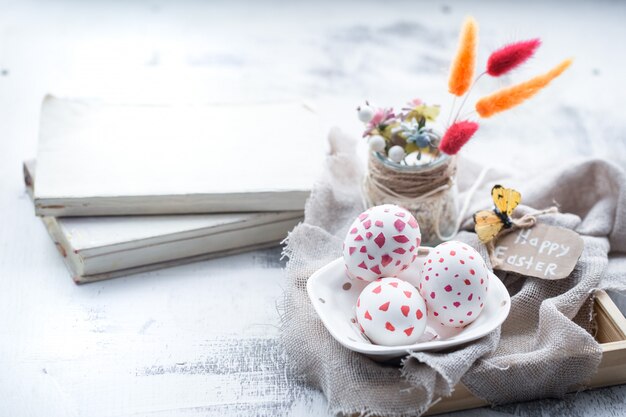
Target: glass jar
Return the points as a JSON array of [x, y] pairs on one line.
[[427, 189]]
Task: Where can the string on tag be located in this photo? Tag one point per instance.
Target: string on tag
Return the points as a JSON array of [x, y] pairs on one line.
[[525, 222]]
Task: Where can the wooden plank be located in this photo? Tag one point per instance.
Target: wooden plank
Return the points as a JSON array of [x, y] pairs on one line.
[[612, 369], [611, 321]]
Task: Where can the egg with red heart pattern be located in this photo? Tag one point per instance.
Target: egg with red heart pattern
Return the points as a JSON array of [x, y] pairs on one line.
[[454, 282], [390, 312], [381, 242]]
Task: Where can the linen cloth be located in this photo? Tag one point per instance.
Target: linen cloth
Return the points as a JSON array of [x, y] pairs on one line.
[[545, 348]]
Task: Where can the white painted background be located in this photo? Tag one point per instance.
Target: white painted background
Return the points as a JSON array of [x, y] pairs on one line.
[[201, 339]]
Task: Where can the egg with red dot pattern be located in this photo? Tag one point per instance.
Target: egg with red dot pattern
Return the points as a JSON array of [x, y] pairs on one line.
[[391, 312], [454, 282], [381, 242]]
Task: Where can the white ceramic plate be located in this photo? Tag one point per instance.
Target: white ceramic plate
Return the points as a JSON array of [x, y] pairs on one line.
[[334, 296]]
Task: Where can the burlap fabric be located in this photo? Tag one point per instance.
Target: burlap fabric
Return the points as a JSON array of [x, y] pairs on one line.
[[544, 349]]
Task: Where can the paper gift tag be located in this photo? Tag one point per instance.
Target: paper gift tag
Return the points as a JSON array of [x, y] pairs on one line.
[[542, 251]]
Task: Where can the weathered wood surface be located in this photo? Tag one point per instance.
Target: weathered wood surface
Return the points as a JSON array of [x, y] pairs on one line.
[[201, 339]]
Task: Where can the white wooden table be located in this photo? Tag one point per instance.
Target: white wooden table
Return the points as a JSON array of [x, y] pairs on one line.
[[201, 339]]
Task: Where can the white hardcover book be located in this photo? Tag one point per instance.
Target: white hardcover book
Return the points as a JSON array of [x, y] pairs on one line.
[[96, 248], [113, 159]]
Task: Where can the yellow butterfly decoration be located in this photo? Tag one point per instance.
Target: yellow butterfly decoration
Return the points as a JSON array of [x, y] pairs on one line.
[[488, 223]]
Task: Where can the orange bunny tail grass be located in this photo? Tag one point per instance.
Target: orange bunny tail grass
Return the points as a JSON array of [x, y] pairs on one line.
[[462, 70], [510, 97]]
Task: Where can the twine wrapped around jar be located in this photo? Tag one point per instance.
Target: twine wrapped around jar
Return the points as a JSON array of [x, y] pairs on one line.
[[428, 191]]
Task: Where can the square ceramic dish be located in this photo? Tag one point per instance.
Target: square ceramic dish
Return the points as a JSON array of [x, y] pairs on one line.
[[334, 296]]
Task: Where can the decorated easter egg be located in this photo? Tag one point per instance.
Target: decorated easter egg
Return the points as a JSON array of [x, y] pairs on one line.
[[391, 312], [381, 242], [454, 282]]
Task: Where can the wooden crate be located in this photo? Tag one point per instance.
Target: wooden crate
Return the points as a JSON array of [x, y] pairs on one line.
[[612, 370]]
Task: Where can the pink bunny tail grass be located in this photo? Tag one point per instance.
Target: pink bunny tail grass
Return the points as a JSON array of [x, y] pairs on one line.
[[511, 56], [456, 136]]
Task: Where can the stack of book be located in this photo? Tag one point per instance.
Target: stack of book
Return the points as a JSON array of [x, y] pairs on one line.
[[129, 188]]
